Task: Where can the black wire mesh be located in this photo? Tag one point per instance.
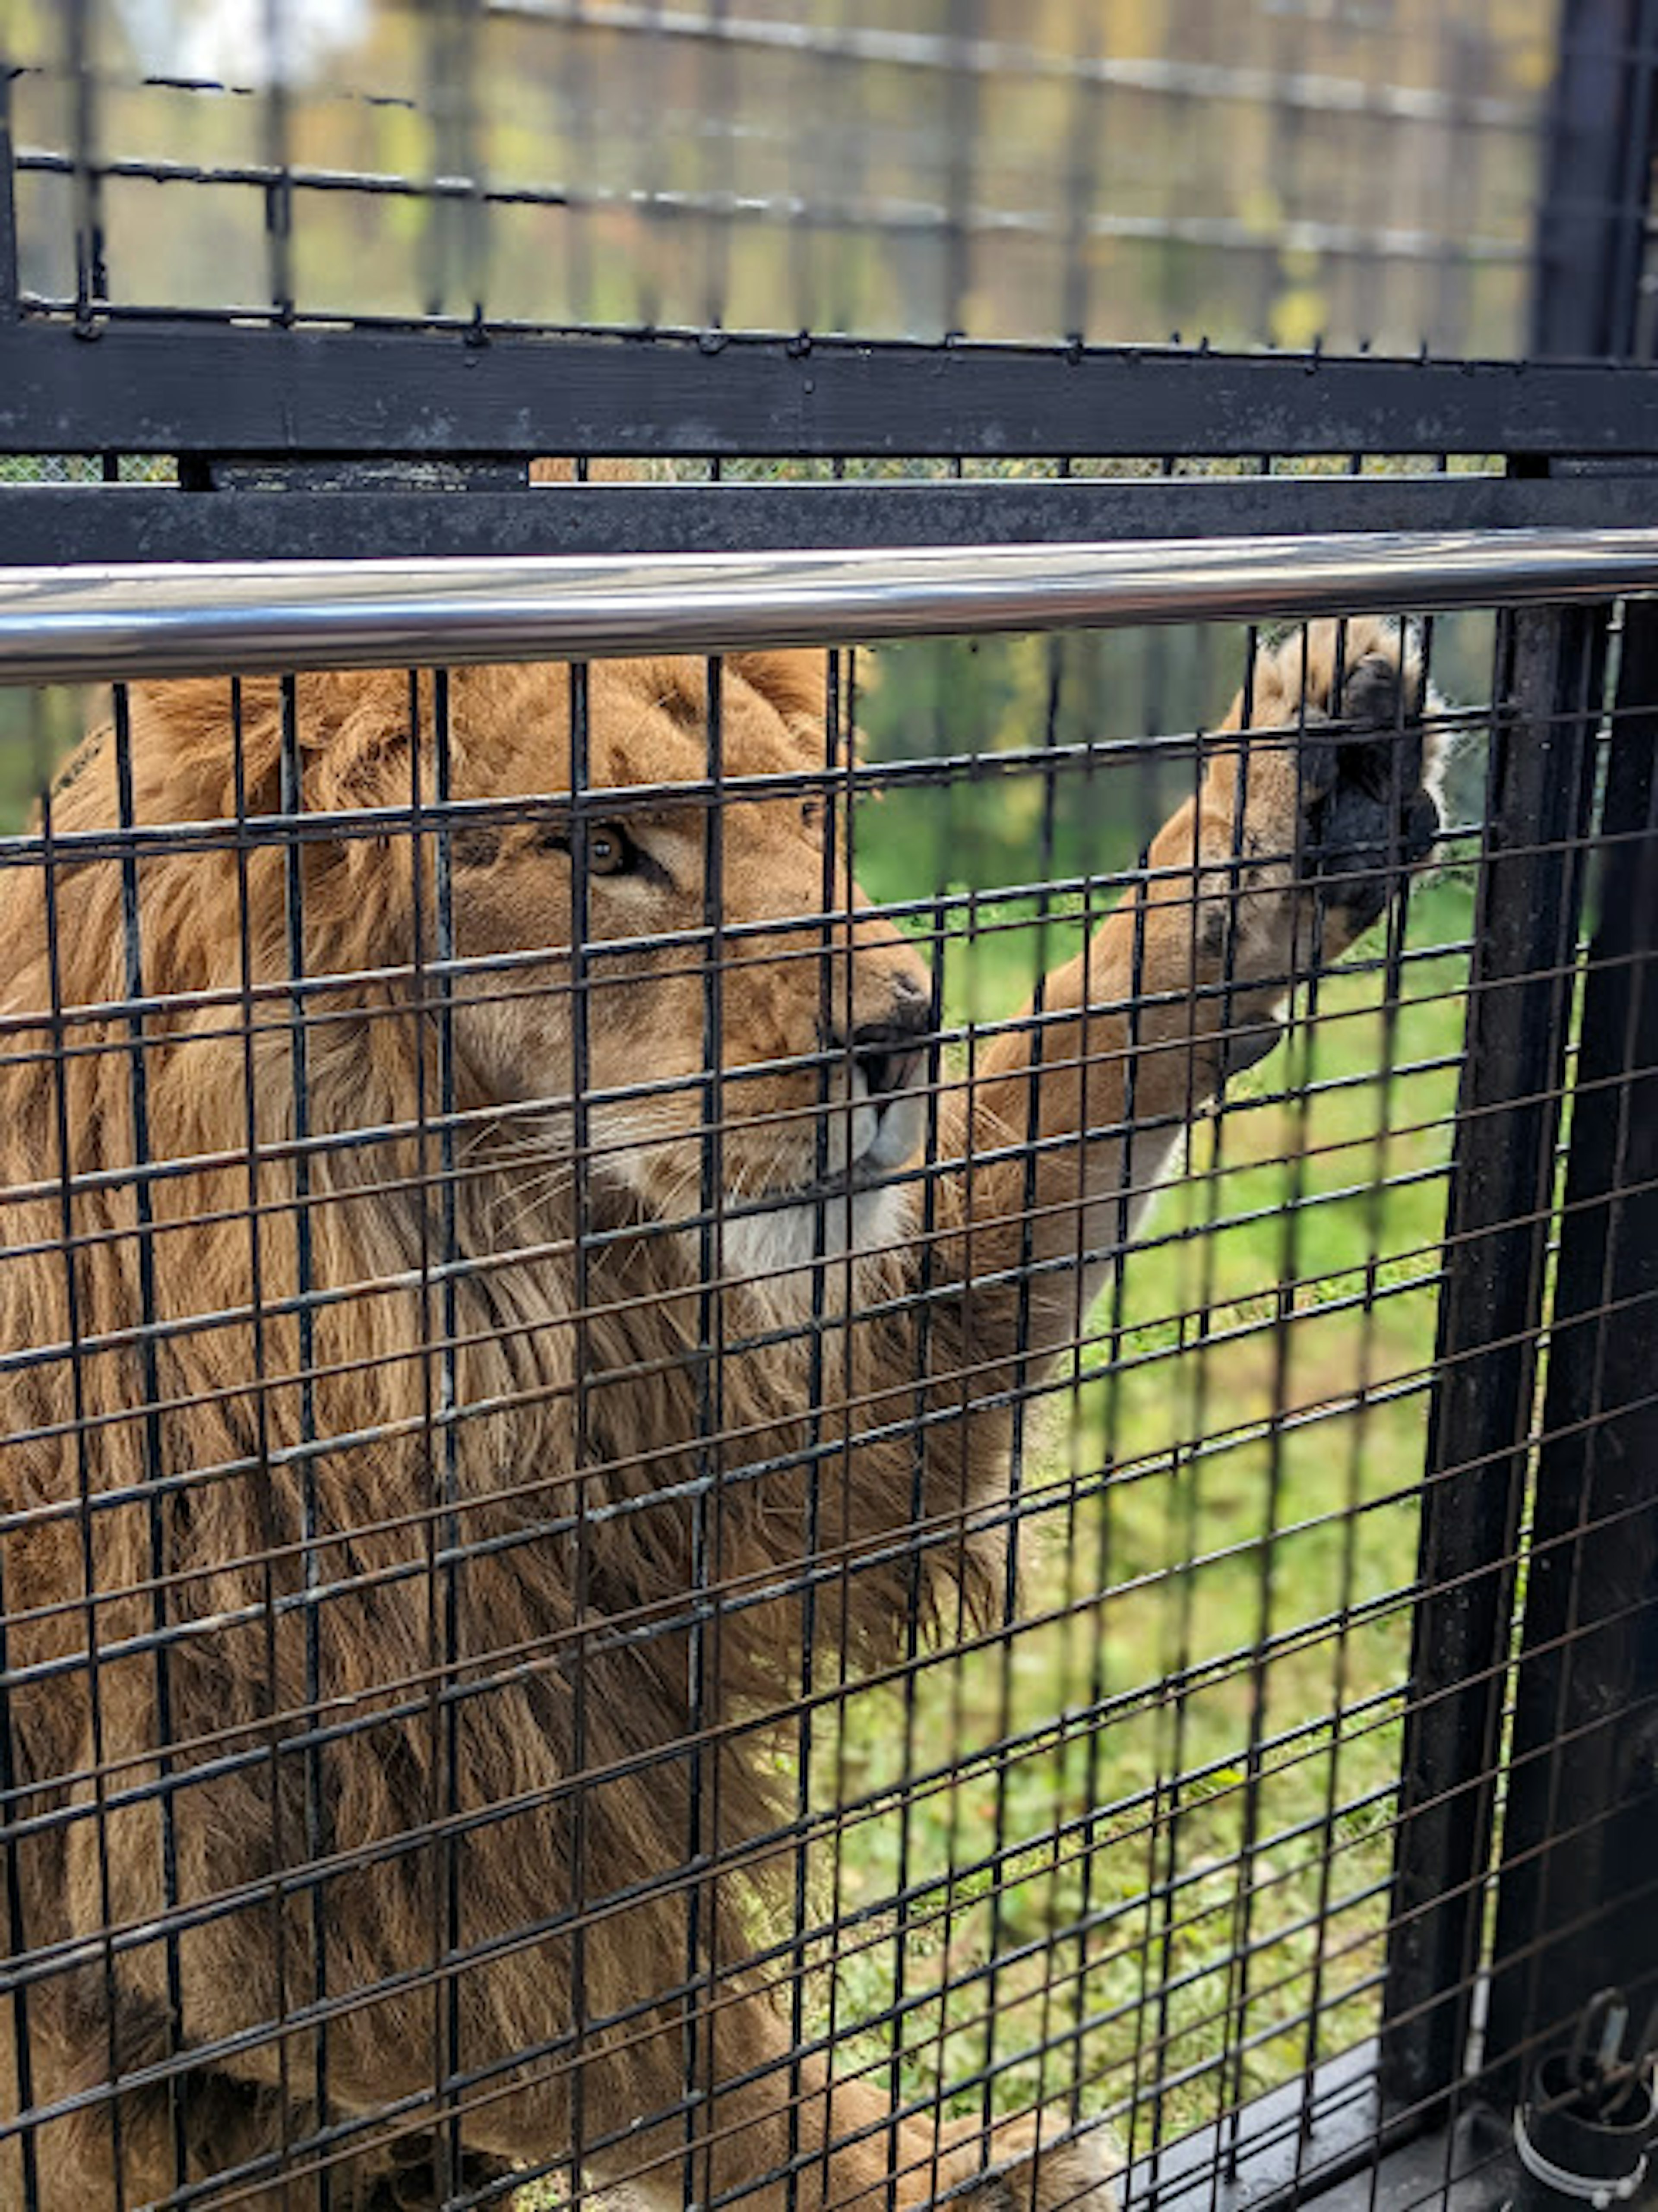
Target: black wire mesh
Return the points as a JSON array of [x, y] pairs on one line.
[[631, 1563], [526, 1658]]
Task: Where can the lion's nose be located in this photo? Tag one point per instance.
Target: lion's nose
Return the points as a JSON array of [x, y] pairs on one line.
[[889, 1054]]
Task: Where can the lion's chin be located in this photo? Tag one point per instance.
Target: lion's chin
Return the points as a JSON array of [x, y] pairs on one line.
[[779, 1249]]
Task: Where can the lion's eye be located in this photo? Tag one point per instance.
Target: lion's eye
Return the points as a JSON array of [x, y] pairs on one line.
[[611, 851]]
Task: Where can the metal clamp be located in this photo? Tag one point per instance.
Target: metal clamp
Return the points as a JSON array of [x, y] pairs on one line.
[[1601, 2193]]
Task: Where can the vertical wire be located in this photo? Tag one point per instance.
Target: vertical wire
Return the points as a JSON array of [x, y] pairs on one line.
[[437, 1544], [1168, 1886], [927, 1451], [1084, 136], [264, 1477], [918, 1502], [720, 125], [476, 231], [968, 910], [1193, 1342], [1375, 1208], [1165, 1886], [1452, 270], [575, 213], [713, 1824], [455, 239], [822, 136], [1012, 1504], [57, 1031], [836, 1063], [953, 1875], [441, 1398], [840, 1042], [449, 2143], [80, 25], [1115, 1336], [581, 780], [652, 171], [961, 162], [1053, 1974], [154, 1455], [1302, 1034], [701, 2072], [279, 192], [1282, 181], [1093, 1691], [291, 802], [849, 139], [10, 272], [437, 240], [420, 987], [812, 1529]]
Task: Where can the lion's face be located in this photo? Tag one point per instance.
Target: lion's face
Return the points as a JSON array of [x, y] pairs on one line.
[[733, 922]]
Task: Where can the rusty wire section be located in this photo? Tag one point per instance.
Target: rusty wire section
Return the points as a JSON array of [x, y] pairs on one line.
[[1286, 173], [610, 1577]]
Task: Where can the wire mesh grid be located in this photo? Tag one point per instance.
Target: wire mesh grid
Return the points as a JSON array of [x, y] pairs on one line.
[[633, 1564], [615, 1575], [1283, 171]]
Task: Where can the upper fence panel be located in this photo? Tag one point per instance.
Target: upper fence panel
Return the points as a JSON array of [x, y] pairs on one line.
[[1280, 171]]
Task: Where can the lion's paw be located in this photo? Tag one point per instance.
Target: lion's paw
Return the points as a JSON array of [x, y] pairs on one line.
[[1042, 2162], [1361, 810]]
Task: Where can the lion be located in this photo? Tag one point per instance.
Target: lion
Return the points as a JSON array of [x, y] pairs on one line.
[[414, 1482]]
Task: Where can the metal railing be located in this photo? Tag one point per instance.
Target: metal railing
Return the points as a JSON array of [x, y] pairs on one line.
[[82, 624]]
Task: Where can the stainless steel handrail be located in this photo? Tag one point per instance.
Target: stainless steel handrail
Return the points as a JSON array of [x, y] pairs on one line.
[[75, 625]]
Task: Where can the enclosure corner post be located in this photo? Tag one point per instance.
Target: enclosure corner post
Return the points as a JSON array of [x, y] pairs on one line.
[[1591, 228], [1578, 1900], [1490, 1315]]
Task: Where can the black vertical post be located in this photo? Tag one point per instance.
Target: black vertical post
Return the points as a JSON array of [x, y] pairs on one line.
[[1592, 225], [1578, 1901], [10, 280], [1491, 1313]]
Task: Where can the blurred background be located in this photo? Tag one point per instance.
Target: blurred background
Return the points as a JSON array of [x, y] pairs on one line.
[[1251, 170]]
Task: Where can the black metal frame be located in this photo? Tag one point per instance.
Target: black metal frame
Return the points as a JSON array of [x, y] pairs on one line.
[[94, 524], [1577, 1901], [295, 443], [205, 391]]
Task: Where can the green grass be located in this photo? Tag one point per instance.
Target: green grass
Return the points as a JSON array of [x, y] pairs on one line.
[[1225, 1498]]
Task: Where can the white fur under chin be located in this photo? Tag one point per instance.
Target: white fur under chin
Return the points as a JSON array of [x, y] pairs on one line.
[[778, 1252]]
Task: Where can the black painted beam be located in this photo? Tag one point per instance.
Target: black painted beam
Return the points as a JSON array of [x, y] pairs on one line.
[[209, 389], [77, 523]]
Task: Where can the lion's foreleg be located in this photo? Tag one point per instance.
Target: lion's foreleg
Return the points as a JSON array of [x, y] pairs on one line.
[[1303, 826]]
